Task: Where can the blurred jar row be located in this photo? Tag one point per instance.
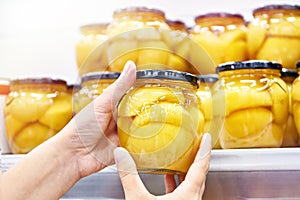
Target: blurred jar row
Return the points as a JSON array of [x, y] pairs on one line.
[[273, 34], [247, 104]]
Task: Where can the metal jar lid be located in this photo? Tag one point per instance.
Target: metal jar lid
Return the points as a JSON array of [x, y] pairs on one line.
[[289, 73], [209, 78], [99, 75], [251, 64], [37, 81], [167, 74], [260, 10], [139, 10]]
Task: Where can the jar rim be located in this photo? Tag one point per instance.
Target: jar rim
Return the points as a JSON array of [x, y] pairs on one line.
[[219, 15], [208, 78], [167, 74], [276, 7], [250, 64], [139, 9], [289, 73], [98, 26], [175, 22], [38, 81], [99, 75]]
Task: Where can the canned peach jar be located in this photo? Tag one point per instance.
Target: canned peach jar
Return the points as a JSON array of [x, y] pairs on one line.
[[159, 121], [91, 36], [222, 35], [204, 93], [35, 110], [296, 100], [256, 104], [274, 34], [290, 138], [92, 85]]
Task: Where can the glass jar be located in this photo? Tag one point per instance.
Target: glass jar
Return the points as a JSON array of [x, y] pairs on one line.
[[72, 90], [4, 91], [159, 121], [274, 34], [144, 45], [206, 83], [91, 36], [290, 138], [256, 104], [222, 35], [35, 110], [92, 85], [296, 99]]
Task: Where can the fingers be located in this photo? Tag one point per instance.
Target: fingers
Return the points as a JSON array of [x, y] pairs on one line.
[[132, 184], [196, 175], [112, 94], [170, 183]]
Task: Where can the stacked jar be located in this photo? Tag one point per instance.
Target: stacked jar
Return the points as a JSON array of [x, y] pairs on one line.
[[89, 60], [296, 100], [290, 138], [35, 110], [4, 91], [222, 35], [274, 34], [256, 104], [92, 85], [204, 94]]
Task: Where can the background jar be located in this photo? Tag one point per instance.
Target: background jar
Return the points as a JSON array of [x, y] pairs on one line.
[[159, 121], [204, 93], [222, 35], [35, 110], [91, 36], [290, 138], [139, 38], [274, 34], [256, 104], [92, 85], [296, 100], [4, 91]]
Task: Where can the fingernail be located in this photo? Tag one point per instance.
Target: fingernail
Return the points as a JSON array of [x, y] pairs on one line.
[[127, 66], [123, 160], [205, 147], [118, 154]]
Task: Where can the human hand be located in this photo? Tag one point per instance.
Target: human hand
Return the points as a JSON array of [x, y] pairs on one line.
[[92, 133], [191, 187]]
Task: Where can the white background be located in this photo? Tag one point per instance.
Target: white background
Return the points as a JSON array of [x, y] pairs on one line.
[[37, 38]]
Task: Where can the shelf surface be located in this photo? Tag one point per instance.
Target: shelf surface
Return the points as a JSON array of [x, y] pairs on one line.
[[246, 174]]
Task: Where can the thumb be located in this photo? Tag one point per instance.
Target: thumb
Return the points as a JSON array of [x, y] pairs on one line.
[[131, 181], [112, 94]]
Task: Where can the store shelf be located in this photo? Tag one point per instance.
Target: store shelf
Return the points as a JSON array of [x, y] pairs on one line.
[[238, 174]]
